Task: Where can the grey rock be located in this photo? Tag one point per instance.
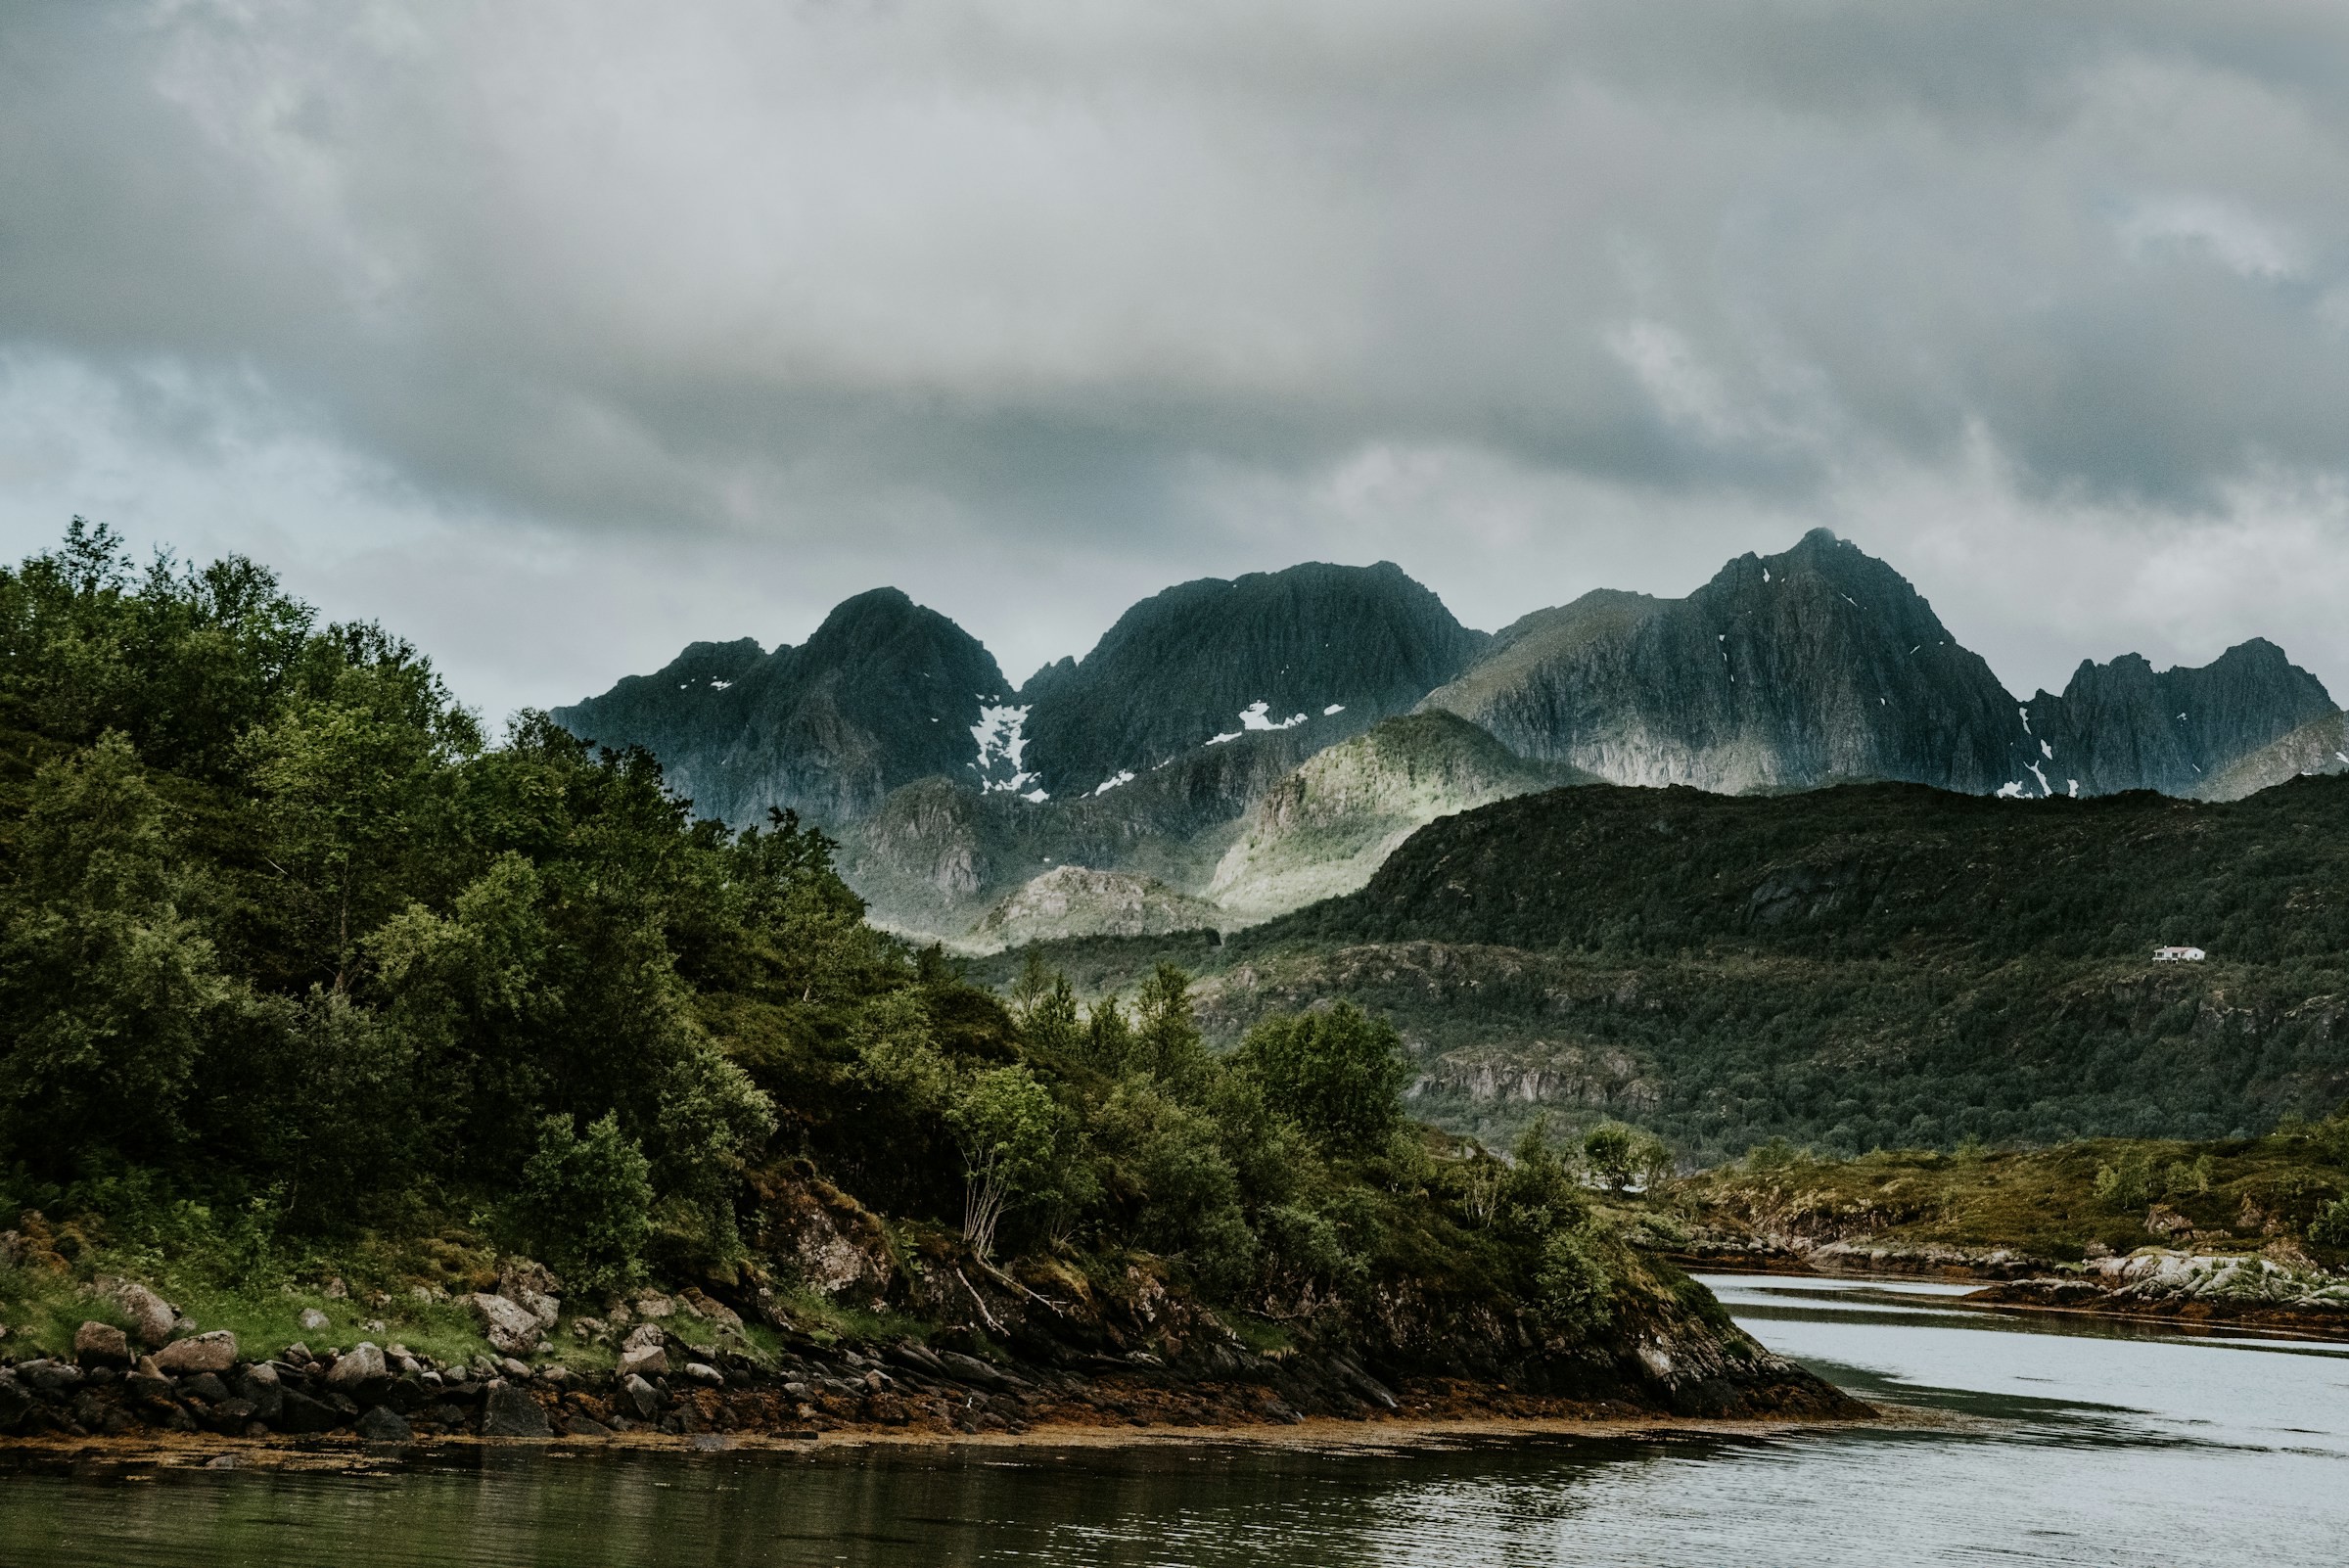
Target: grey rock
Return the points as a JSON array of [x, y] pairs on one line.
[[260, 1387], [215, 1352], [204, 1386], [704, 1372], [16, 1401], [48, 1377], [314, 1321], [639, 1396], [151, 1318], [300, 1415], [646, 1360], [584, 1426], [511, 1412], [382, 1424], [510, 1328], [359, 1371], [101, 1345]]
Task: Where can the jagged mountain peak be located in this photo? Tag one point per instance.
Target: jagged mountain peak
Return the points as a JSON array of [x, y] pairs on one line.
[[1317, 646]]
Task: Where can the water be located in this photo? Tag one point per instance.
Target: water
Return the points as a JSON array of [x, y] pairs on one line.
[[2045, 1445]]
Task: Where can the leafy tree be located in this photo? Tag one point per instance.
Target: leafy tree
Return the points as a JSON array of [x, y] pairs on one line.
[[1613, 1150], [1011, 1134], [110, 990], [1339, 1073]]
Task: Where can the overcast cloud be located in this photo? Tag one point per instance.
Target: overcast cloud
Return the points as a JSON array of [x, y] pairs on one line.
[[558, 333]]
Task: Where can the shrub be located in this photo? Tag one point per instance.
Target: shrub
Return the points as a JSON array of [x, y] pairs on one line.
[[1572, 1285], [2127, 1184], [2331, 1227], [586, 1204]]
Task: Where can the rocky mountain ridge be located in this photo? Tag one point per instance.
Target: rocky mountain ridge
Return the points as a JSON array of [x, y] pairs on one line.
[[1236, 744]]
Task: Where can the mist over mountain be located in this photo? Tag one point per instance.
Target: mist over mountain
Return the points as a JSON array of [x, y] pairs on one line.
[[1240, 745]]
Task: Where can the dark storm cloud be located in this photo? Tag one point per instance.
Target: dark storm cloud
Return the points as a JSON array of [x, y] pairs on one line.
[[1053, 278]]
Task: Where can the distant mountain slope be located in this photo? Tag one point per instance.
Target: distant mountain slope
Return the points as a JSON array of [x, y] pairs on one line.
[[2321, 746], [1324, 828], [1824, 665], [1867, 871], [1788, 671], [1075, 902], [1327, 648], [2124, 726], [884, 693]]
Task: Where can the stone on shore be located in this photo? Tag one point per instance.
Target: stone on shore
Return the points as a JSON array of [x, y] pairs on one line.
[[360, 1368], [151, 1318], [383, 1424], [101, 1345], [510, 1328], [215, 1352], [639, 1396], [511, 1412]]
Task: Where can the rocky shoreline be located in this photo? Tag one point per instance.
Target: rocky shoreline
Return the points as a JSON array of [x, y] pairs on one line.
[[2153, 1284], [1668, 1363]]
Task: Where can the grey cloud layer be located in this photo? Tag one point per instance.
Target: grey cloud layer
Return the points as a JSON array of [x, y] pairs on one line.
[[1074, 275]]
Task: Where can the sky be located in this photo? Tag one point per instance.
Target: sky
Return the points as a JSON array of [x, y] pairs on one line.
[[556, 334]]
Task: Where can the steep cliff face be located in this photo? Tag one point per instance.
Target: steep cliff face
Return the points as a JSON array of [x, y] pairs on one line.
[[884, 693], [1322, 649], [1785, 672], [2124, 726]]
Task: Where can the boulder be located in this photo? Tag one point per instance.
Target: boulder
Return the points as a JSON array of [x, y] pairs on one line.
[[646, 1360], [359, 1371], [511, 1412], [383, 1424], [152, 1387], [16, 1401], [101, 1345], [204, 1386], [259, 1386], [50, 1377], [215, 1352], [704, 1372], [509, 1326], [151, 1317], [654, 1305], [300, 1415], [531, 1287], [314, 1321], [639, 1396], [710, 1310]]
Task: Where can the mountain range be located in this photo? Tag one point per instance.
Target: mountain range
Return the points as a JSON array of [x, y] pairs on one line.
[[1232, 749]]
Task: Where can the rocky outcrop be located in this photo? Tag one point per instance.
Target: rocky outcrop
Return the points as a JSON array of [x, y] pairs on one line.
[[1076, 901], [1324, 828], [2319, 747]]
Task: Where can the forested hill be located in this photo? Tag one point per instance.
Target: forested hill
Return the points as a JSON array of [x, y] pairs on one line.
[[1867, 871], [1869, 966]]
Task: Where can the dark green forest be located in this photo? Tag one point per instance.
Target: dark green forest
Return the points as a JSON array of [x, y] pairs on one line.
[[1876, 966], [297, 967]]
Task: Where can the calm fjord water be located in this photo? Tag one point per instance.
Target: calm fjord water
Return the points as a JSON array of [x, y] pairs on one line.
[[2058, 1447]]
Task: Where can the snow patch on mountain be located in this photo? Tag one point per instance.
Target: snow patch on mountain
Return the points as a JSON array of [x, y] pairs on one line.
[[1002, 737]]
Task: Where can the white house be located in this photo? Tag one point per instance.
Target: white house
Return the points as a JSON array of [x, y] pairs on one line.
[[2177, 955]]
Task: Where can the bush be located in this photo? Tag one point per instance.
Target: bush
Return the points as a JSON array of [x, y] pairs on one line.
[[2331, 1227], [586, 1205], [1572, 1285]]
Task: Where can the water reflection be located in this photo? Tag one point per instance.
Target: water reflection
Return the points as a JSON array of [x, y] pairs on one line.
[[2040, 1447]]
